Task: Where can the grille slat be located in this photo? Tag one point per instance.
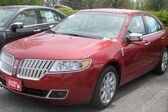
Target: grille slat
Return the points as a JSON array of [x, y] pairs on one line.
[[7, 62], [34, 69], [29, 68], [21, 70], [41, 69], [25, 70], [30, 72]]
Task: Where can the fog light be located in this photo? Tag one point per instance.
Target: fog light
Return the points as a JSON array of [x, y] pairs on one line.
[[57, 94]]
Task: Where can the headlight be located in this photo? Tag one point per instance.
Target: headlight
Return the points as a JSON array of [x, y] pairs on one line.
[[70, 65]]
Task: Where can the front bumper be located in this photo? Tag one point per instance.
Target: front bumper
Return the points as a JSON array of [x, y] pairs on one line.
[[78, 87]]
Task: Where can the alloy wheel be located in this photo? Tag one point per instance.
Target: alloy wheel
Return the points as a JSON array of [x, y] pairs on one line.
[[108, 87]]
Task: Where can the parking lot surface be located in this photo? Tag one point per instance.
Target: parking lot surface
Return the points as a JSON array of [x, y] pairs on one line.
[[148, 93]]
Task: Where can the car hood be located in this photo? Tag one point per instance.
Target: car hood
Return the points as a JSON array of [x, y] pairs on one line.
[[54, 46]]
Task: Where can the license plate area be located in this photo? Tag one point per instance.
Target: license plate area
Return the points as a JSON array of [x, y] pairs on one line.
[[13, 83]]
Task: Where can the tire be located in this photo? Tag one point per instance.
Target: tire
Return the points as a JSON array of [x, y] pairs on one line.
[[100, 98], [163, 64]]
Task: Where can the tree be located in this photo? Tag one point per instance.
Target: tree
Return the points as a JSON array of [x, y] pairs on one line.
[[20, 2], [82, 4], [51, 3], [155, 5], [115, 4]]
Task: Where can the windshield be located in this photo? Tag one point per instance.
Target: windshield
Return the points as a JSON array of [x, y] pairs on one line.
[[92, 24], [5, 15]]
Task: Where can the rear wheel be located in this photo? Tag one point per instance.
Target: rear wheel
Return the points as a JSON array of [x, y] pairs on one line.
[[163, 64], [105, 88]]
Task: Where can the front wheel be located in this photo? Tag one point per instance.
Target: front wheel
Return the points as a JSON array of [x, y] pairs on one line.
[[163, 64], [105, 88]]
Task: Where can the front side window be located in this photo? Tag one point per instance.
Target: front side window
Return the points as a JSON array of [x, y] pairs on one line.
[[48, 16], [6, 14], [136, 25], [28, 17], [152, 24], [92, 24]]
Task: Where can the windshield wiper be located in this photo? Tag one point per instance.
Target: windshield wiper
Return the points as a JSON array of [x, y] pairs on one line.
[[51, 31], [71, 34], [79, 35]]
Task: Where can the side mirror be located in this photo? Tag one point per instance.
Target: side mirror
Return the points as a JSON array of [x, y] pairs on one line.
[[135, 37], [51, 26], [17, 25]]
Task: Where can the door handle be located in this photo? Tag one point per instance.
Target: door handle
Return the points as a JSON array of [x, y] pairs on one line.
[[163, 37], [37, 30], [147, 43]]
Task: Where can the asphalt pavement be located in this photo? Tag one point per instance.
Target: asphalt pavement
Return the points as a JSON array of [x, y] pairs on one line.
[[149, 93]]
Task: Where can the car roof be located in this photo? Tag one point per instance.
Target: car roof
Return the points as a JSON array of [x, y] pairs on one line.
[[111, 10], [22, 7]]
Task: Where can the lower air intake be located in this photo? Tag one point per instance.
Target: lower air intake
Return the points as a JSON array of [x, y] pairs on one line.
[[57, 94]]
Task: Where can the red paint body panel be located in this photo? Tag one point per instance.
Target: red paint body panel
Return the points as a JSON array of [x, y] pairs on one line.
[[137, 60], [80, 84]]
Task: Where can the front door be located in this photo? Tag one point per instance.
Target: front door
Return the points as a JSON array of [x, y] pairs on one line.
[[134, 58], [30, 21], [48, 18]]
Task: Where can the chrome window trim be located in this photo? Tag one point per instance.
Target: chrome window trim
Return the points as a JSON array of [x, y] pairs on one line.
[[26, 26], [154, 33]]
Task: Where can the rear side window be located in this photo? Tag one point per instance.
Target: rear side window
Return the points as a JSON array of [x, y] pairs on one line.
[[48, 16], [152, 24], [28, 17], [136, 25]]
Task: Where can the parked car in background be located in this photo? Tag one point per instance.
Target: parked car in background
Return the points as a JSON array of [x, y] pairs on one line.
[[20, 21], [86, 57]]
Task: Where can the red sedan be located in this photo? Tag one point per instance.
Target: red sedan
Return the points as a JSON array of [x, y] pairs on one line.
[[86, 57]]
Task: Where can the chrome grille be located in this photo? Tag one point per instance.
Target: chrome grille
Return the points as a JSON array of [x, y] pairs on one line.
[[7, 62], [33, 69]]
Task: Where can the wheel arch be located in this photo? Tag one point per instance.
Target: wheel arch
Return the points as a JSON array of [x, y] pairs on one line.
[[118, 66]]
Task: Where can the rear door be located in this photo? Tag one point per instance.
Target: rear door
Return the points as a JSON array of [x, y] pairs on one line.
[[30, 21], [49, 18], [154, 40]]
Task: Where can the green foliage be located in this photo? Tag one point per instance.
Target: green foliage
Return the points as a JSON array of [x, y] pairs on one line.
[[20, 2], [75, 4], [67, 11], [163, 16], [89, 4], [155, 5]]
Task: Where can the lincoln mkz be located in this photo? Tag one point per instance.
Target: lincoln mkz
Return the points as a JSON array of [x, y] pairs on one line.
[[86, 57]]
